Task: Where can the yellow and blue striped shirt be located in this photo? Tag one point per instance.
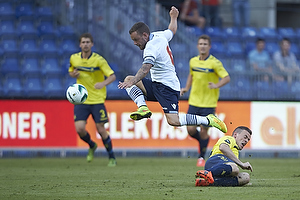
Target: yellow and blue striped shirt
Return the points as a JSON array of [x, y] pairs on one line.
[[204, 71], [92, 70]]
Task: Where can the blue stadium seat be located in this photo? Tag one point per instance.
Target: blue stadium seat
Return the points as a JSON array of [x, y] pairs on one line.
[[69, 81], [44, 13], [69, 47], [235, 50], [249, 46], [194, 30], [243, 87], [227, 92], [10, 47], [269, 34], [287, 33], [225, 62], [297, 31], [33, 87], [27, 30], [7, 29], [31, 67], [1, 88], [295, 89], [12, 87], [232, 34], [1, 51], [10, 66], [114, 93], [264, 90], [51, 67], [215, 33], [25, 11], [218, 50], [178, 48], [29, 47], [53, 88], [271, 47], [67, 32], [115, 68], [6, 11], [182, 66], [294, 49], [46, 30], [238, 65], [282, 90], [48, 47], [65, 64], [249, 34]]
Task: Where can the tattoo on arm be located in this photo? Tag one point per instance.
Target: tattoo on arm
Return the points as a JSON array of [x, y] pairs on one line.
[[143, 71]]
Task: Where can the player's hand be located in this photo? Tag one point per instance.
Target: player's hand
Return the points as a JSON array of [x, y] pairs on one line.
[[75, 73], [247, 166], [99, 85], [124, 85], [182, 91], [212, 85], [174, 12]]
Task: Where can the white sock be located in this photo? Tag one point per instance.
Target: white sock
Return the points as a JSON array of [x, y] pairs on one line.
[[136, 94], [189, 119]]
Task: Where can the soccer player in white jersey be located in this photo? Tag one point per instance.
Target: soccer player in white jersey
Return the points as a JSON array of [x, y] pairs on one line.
[[164, 85]]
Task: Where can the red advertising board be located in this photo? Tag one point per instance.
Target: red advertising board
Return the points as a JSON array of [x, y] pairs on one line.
[[49, 123], [34, 123]]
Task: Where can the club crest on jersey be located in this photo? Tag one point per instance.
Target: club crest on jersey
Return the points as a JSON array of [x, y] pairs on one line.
[[227, 141], [173, 105]]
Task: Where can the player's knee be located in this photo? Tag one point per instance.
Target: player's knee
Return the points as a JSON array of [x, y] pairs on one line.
[[235, 170], [243, 178], [128, 78], [173, 121]]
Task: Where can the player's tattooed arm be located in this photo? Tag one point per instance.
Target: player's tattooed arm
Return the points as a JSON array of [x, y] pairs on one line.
[[143, 71]]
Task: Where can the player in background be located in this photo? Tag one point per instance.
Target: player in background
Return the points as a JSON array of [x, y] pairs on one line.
[[90, 70], [206, 76], [221, 168], [164, 85]]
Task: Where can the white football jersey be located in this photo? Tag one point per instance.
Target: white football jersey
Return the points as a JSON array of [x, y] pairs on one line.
[[158, 53]]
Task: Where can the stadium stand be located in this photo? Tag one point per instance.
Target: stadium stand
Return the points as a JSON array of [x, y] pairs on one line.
[[35, 38]]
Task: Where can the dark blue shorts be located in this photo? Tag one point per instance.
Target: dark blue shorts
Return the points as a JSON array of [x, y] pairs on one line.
[[201, 111], [215, 160], [98, 112], [166, 96]]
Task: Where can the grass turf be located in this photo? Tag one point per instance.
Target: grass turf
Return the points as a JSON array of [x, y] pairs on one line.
[[138, 178]]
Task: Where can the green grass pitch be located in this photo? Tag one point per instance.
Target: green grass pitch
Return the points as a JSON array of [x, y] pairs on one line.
[[138, 178]]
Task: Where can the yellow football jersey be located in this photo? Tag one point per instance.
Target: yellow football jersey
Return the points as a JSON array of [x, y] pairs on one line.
[[92, 70], [230, 141], [203, 72]]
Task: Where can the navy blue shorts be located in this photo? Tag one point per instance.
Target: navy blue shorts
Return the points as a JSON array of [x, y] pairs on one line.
[[98, 112], [201, 111], [216, 160], [166, 96]]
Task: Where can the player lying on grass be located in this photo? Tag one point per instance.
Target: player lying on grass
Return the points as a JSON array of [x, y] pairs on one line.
[[221, 168]]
